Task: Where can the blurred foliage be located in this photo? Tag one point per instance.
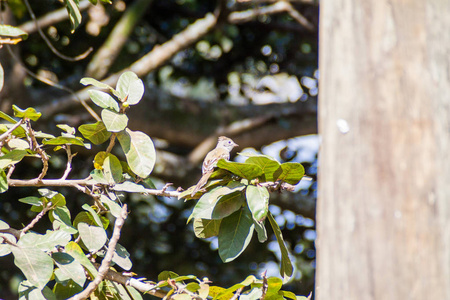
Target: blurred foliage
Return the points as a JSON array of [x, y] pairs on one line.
[[226, 65]]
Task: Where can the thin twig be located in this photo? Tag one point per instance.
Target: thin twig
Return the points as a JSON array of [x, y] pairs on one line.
[[7, 133], [69, 162], [54, 84], [112, 141], [49, 44], [36, 147], [265, 285], [51, 18], [104, 267], [37, 218]]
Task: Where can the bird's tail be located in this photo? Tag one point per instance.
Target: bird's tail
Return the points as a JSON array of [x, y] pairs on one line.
[[201, 183]]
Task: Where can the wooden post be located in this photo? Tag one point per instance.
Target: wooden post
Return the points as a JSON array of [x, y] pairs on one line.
[[383, 213]]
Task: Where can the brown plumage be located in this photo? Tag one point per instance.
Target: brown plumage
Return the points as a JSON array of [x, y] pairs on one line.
[[222, 150]]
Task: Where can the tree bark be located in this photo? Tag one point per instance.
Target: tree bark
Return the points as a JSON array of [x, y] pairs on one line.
[[383, 219]]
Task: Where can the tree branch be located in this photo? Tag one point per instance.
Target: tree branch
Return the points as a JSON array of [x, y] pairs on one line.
[[51, 18], [104, 267]]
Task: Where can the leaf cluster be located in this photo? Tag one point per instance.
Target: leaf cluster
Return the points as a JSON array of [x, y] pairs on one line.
[[236, 204]]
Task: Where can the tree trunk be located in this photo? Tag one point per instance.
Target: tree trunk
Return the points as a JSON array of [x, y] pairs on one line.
[[383, 219]]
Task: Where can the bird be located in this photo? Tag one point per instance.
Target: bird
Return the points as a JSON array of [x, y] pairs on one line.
[[222, 150]]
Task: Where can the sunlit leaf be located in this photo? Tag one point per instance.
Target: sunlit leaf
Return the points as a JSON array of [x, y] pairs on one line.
[[67, 289], [93, 237], [45, 242], [18, 144], [261, 231], [8, 30], [112, 169], [75, 251], [96, 83], [3, 225], [258, 201], [103, 100], [229, 291], [63, 140], [35, 265], [235, 234], [29, 113], [12, 157], [68, 268], [3, 181], [4, 247], [130, 187], [228, 203], [204, 229], [114, 122], [122, 258], [74, 13], [96, 133], [129, 85], [286, 269], [113, 207], [292, 172], [244, 170], [27, 290], [139, 151], [93, 213], [270, 167]]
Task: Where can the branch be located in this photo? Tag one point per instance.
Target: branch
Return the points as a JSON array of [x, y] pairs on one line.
[[49, 44], [148, 63], [106, 55], [37, 218], [7, 133], [51, 18], [104, 267]]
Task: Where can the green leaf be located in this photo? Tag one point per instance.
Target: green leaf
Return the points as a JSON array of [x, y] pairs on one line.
[[67, 289], [112, 169], [103, 100], [114, 122], [286, 269], [134, 293], [130, 85], [235, 234], [229, 291], [74, 13], [270, 167], [130, 187], [96, 133], [7, 118], [68, 129], [122, 258], [93, 237], [29, 113], [60, 217], [164, 275], [8, 30], [244, 170], [5, 249], [229, 202], [292, 172], [93, 213], [18, 144], [63, 140], [204, 229], [261, 231], [30, 291], [96, 83], [68, 268], [46, 242], [113, 207], [75, 251], [12, 158], [139, 151], [258, 201], [3, 225], [3, 181], [35, 265], [254, 294]]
